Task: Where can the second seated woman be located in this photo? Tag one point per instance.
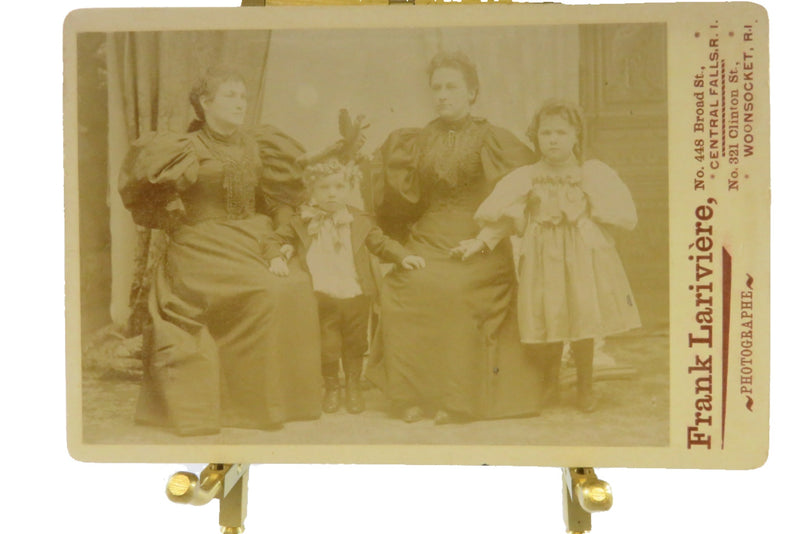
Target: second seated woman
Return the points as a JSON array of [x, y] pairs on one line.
[[449, 342]]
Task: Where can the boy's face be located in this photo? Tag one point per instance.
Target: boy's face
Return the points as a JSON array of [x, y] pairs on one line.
[[330, 192]]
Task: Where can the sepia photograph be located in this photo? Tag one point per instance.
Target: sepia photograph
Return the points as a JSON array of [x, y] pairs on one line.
[[411, 236], [92, 464]]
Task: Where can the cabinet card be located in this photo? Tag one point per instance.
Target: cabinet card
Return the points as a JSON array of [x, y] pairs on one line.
[[549, 244]]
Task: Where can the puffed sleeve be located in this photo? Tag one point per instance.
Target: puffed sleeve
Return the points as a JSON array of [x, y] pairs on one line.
[[157, 168], [395, 184], [508, 202], [502, 153], [396, 162], [281, 181], [610, 200]]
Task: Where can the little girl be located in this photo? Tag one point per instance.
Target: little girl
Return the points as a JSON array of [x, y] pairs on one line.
[[572, 286]]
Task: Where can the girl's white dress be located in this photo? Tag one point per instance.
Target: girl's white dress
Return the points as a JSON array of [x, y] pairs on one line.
[[572, 284]]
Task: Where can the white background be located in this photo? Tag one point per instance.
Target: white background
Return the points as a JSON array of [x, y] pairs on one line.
[[46, 491]]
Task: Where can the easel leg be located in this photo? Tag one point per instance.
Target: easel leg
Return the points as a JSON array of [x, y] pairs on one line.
[[583, 494], [226, 482], [233, 507]]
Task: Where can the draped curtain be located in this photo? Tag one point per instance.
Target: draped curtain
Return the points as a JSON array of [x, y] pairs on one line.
[[150, 75]]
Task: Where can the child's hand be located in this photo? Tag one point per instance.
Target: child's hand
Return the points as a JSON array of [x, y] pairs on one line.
[[468, 248], [288, 251], [410, 263], [278, 266]]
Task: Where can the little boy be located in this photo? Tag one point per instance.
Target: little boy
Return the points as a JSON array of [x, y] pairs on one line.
[[335, 239]]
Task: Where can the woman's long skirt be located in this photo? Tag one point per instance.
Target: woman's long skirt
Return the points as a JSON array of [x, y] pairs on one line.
[[231, 344], [448, 336]]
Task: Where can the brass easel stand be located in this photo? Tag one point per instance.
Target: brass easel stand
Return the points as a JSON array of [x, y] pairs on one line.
[[226, 482], [584, 494]]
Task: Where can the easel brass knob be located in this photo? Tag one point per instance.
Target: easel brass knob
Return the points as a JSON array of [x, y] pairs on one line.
[[594, 495], [187, 488], [226, 482], [180, 486], [584, 494]]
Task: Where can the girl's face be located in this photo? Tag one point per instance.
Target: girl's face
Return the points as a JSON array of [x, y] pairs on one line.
[[226, 110], [451, 95], [557, 138], [330, 192]]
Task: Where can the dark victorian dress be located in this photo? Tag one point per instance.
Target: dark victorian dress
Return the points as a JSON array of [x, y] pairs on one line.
[[449, 337], [230, 345]]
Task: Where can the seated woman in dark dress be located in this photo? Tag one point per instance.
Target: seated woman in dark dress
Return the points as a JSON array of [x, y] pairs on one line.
[[449, 342], [229, 344]]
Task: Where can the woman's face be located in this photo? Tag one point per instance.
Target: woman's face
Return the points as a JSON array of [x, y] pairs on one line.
[[557, 138], [452, 97], [226, 110]]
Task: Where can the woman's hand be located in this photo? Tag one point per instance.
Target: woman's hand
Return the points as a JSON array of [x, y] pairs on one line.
[[410, 263], [468, 248], [278, 266], [288, 251]]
